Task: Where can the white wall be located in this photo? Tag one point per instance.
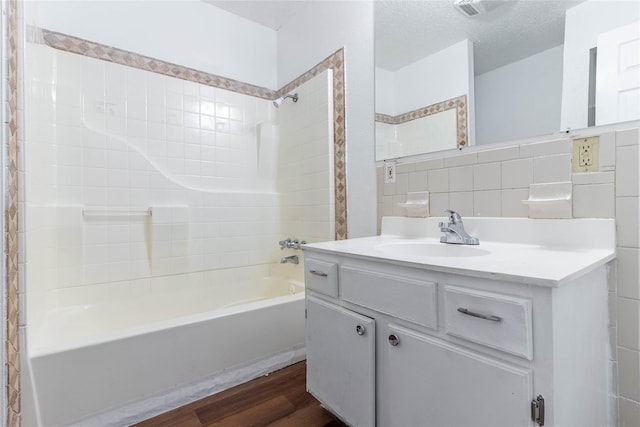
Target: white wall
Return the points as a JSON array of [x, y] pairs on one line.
[[185, 32], [305, 157], [103, 136], [385, 96], [444, 75], [520, 100], [583, 24], [314, 32]]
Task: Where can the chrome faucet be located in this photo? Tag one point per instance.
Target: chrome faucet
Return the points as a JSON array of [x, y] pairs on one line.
[[291, 243], [293, 259], [454, 231]]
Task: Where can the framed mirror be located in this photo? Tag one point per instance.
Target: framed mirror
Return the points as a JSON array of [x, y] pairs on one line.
[[522, 68]]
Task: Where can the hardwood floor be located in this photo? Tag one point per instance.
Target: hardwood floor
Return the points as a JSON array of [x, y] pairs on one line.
[[277, 400]]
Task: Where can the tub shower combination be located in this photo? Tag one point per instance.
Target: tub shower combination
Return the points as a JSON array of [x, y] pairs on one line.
[[136, 310]]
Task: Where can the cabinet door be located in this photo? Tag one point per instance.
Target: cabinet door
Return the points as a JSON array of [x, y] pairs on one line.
[[341, 362], [426, 382]]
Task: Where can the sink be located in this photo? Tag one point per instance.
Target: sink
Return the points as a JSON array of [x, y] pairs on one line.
[[426, 249]]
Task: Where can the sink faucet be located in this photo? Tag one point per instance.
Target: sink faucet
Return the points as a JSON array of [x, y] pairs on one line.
[[293, 259], [454, 231]]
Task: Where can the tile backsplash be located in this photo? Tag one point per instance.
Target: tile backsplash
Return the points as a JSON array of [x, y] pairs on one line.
[[494, 182]]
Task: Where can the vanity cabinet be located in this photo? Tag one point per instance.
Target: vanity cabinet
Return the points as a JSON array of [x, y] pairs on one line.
[[341, 360], [429, 382], [397, 345]]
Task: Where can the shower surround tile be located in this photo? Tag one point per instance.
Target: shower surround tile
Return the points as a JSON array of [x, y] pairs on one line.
[[334, 62]]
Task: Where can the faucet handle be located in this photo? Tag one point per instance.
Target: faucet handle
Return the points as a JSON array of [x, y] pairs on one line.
[[454, 217]]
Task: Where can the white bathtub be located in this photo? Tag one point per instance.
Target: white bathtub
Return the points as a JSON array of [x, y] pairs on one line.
[[162, 349]]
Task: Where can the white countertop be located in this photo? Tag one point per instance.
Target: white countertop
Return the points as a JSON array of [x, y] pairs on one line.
[[553, 254]]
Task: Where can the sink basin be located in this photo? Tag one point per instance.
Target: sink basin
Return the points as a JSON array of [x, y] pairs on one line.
[[425, 249]]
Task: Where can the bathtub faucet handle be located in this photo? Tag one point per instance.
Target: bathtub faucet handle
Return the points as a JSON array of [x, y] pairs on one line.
[[291, 243]]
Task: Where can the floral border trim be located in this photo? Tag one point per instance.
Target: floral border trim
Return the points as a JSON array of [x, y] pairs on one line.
[[123, 57], [459, 103], [12, 235]]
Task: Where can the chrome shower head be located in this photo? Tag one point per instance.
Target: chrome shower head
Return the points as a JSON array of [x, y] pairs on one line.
[[280, 100]]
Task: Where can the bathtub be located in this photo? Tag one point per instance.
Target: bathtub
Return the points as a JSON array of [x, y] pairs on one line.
[[117, 362]]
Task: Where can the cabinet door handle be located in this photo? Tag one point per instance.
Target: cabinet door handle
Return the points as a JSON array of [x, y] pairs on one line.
[[318, 273], [394, 340], [479, 316], [360, 330]]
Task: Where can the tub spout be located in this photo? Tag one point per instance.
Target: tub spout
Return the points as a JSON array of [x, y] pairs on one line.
[[293, 259]]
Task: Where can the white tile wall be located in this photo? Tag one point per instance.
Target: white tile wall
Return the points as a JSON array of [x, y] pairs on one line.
[[500, 181], [305, 161], [105, 137]]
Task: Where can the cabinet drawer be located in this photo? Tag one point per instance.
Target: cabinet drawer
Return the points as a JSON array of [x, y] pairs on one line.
[[321, 276], [499, 321], [407, 299]]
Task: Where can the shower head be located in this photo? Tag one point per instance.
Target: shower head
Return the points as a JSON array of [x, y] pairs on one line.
[[280, 100]]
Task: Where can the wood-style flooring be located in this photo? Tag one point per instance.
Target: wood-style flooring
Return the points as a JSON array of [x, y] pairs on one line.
[[277, 400]]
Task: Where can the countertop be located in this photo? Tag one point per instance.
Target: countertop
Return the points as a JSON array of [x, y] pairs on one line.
[[549, 262]]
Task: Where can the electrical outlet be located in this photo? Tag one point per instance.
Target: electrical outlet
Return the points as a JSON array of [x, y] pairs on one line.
[[586, 154], [389, 172]]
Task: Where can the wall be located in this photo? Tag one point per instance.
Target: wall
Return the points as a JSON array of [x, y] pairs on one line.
[[305, 163], [521, 99], [492, 181], [385, 92], [582, 26], [444, 75], [315, 31], [103, 136], [186, 32]]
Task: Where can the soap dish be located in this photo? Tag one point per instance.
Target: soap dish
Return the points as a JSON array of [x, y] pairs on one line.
[[417, 204], [550, 200]]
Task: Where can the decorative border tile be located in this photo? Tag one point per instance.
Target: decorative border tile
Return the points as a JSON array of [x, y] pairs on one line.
[[12, 236], [107, 53], [459, 103], [333, 62]]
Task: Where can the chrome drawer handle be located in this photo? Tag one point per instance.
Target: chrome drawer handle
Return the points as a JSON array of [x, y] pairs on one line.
[[479, 316], [360, 330], [318, 273]]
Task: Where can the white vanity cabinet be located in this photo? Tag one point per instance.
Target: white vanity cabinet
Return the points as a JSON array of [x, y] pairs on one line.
[[429, 382], [445, 349], [341, 360]]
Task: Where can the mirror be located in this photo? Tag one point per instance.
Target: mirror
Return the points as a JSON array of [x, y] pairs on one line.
[[518, 69]]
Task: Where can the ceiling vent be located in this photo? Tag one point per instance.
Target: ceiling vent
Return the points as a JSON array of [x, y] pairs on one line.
[[470, 8]]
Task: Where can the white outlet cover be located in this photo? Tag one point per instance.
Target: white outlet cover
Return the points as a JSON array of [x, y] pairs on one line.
[[389, 172]]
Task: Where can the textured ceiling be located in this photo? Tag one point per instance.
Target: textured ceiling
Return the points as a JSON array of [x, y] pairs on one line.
[[407, 30]]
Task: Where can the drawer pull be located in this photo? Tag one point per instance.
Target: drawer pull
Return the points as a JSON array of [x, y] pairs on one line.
[[318, 273], [394, 340], [360, 330], [479, 316]]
